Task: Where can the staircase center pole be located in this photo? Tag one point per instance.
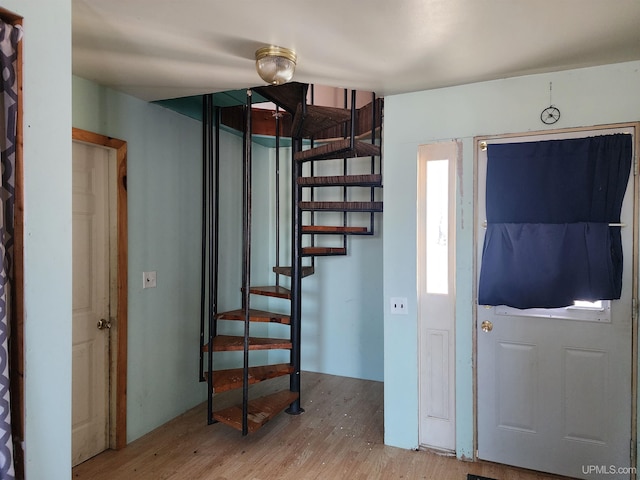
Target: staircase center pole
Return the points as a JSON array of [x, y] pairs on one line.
[[246, 259], [312, 193], [296, 277]]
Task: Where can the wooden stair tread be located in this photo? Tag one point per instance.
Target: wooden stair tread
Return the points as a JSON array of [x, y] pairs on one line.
[[286, 271], [323, 251], [337, 230], [342, 206], [287, 96], [316, 119], [338, 149], [232, 378], [255, 316], [371, 180], [232, 343], [272, 291], [259, 412]]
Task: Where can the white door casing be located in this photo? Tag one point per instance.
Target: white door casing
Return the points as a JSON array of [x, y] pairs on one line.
[[554, 394], [436, 293], [91, 301]]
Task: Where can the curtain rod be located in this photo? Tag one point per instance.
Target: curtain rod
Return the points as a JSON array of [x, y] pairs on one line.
[[484, 224]]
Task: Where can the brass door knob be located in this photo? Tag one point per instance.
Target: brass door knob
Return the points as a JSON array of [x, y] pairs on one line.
[[102, 324], [486, 326]]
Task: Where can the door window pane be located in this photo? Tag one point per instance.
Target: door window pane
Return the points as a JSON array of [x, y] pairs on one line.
[[437, 221]]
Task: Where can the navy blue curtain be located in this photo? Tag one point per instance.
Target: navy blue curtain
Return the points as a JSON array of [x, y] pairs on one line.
[[549, 205]]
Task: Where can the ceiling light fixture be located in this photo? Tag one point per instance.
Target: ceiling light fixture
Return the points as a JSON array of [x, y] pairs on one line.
[[275, 65]]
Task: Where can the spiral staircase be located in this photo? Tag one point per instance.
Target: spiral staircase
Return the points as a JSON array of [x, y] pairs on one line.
[[325, 210]]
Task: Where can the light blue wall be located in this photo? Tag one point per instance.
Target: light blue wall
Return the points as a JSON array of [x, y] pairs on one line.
[[47, 269], [585, 97], [164, 215]]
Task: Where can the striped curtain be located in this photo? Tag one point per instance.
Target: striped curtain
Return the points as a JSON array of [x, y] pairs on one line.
[[9, 38]]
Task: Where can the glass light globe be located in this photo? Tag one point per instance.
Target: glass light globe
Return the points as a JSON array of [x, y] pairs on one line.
[[275, 65]]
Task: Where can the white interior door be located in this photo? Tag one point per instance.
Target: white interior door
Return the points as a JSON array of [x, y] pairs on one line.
[[436, 294], [90, 419], [554, 387]]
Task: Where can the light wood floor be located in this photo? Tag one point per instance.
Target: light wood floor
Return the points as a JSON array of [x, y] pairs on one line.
[[339, 437]]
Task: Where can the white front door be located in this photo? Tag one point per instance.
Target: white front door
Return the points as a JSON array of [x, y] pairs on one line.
[[436, 294], [90, 418], [554, 387]]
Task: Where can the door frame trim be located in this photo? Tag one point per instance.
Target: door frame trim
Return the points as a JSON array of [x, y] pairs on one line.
[[634, 283], [16, 339], [118, 385]]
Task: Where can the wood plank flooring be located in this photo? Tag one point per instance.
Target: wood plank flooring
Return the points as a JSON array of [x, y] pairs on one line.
[[339, 437]]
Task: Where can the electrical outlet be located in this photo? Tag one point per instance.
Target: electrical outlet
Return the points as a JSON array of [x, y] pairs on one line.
[[148, 279], [398, 306]]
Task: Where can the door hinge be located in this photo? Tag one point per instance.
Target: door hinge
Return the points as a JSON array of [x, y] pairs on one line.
[[635, 165], [634, 309]]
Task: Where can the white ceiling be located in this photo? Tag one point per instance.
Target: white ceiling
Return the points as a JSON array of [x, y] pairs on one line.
[[159, 49]]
